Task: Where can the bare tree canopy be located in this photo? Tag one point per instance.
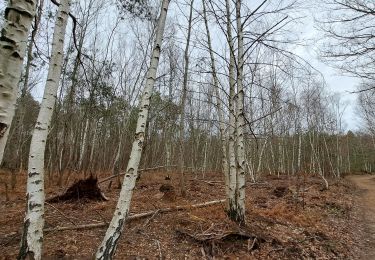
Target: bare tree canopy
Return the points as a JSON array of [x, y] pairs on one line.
[[349, 43]]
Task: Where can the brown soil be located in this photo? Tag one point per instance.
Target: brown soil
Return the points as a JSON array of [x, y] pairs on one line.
[[366, 184], [289, 218]]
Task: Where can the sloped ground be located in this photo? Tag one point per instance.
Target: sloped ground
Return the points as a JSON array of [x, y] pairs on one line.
[[287, 218]]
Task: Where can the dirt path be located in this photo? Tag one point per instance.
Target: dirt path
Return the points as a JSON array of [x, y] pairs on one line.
[[367, 184]]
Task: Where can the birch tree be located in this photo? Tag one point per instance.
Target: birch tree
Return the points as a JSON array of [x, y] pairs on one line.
[[32, 239], [219, 107], [231, 210], [240, 123], [108, 245], [183, 101], [13, 42]]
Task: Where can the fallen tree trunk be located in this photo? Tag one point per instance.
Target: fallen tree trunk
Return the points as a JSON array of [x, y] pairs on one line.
[[140, 170], [137, 216]]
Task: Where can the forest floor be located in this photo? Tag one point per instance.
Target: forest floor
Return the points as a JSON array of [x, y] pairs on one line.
[[287, 218]]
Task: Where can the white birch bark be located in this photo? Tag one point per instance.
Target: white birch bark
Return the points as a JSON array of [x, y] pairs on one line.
[[34, 220], [299, 151], [281, 168], [232, 119], [240, 124], [107, 248], [328, 156], [13, 42], [261, 156], [93, 143], [168, 155], [83, 145]]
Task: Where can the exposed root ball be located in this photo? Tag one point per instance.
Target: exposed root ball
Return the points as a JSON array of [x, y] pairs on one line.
[[83, 189]]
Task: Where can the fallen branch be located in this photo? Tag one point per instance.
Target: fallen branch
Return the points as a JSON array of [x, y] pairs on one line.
[[212, 183], [137, 216], [159, 248], [61, 213], [140, 170], [239, 235]]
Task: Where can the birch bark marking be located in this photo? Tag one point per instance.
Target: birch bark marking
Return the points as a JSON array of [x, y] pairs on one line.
[[108, 246], [13, 41], [32, 239], [240, 123], [224, 158]]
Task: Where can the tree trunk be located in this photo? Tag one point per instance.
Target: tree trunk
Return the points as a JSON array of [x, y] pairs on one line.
[[231, 210], [83, 145], [182, 104], [108, 246], [240, 124], [299, 151], [34, 220], [13, 41], [224, 157], [261, 156]]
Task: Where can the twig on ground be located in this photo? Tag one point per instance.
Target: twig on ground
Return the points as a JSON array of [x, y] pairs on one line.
[[159, 249], [152, 217], [203, 253], [61, 213], [275, 250], [249, 248], [101, 216]]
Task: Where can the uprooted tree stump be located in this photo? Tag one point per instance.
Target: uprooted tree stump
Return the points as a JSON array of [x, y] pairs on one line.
[[169, 192], [280, 191], [83, 189]]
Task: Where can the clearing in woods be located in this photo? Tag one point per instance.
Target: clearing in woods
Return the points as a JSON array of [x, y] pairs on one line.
[[367, 199]]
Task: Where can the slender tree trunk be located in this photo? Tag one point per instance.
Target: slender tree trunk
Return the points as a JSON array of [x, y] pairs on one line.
[[34, 221], [168, 153], [315, 159], [299, 151], [232, 121], [90, 165], [13, 41], [261, 155], [339, 159], [83, 145], [328, 157], [240, 124], [108, 246], [182, 104], [219, 108]]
